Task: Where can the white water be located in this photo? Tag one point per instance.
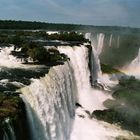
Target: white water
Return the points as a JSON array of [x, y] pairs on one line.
[[50, 104], [100, 38], [89, 98], [96, 73], [10, 61], [110, 40], [100, 42], [52, 32], [92, 129]]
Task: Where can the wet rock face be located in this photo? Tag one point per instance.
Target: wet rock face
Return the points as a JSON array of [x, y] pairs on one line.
[[13, 122]]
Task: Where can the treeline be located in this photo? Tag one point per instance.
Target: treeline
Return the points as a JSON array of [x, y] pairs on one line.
[[20, 37], [33, 25], [11, 24]]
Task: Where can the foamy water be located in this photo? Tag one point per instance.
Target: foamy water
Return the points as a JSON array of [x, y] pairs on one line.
[[92, 129], [85, 128], [10, 61]]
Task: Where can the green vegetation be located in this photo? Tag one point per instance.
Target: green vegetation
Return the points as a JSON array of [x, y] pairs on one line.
[[21, 37], [11, 24], [66, 36], [12, 112], [31, 44], [125, 108], [9, 106], [108, 69], [29, 25], [40, 55], [20, 75]]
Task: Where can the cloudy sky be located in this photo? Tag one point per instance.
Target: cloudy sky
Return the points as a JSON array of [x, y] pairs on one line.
[[93, 12]]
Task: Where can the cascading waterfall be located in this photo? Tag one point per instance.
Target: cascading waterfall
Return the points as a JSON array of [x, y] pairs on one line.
[[100, 38], [134, 67], [118, 42], [50, 100], [90, 99], [9, 133], [7, 59], [50, 104], [136, 62], [96, 73], [100, 41], [110, 40]]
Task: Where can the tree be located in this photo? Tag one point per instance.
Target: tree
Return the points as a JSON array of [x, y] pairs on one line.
[[38, 54]]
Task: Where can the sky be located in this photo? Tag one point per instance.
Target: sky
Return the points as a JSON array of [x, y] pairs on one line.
[[90, 12]]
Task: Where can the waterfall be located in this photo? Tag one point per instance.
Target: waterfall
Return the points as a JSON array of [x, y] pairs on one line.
[[50, 104], [133, 68], [139, 56], [88, 36], [9, 133], [110, 40], [100, 41], [118, 42], [85, 128], [7, 59], [100, 38], [136, 62], [88, 97], [96, 73]]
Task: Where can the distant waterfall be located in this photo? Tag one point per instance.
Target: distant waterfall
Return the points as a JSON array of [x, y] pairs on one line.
[[135, 63], [118, 42], [110, 40], [95, 66], [133, 68], [94, 57], [50, 104], [100, 38]]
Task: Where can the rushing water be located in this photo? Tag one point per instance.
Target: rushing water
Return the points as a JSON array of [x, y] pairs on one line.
[[100, 38], [96, 73], [85, 128], [91, 100], [110, 40], [9, 133], [50, 100], [50, 104]]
